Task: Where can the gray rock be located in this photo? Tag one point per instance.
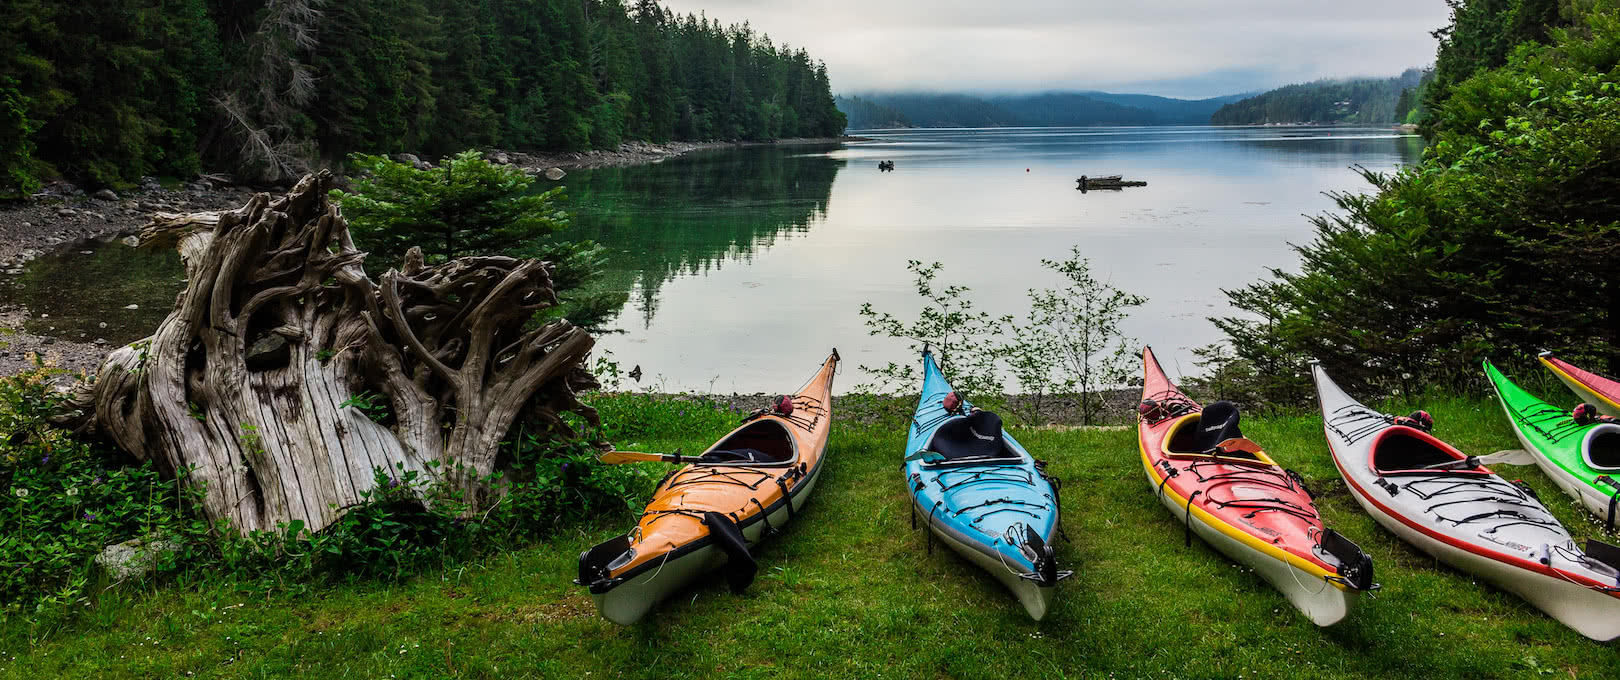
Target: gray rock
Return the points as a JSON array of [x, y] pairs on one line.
[[408, 159], [105, 195], [101, 341], [132, 306], [133, 558], [47, 341], [66, 212], [555, 174], [131, 241], [501, 159], [268, 352]]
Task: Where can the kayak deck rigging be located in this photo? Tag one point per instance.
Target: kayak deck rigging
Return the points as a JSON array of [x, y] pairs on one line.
[[1549, 421]]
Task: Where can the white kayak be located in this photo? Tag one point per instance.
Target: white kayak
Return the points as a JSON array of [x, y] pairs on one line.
[[1451, 506]]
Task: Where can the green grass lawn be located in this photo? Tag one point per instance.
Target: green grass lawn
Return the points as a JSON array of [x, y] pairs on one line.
[[849, 591]]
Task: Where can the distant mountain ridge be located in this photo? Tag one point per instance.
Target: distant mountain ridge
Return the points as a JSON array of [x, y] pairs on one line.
[[1046, 109]]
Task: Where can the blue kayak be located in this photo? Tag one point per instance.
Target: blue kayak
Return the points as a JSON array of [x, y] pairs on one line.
[[981, 493]]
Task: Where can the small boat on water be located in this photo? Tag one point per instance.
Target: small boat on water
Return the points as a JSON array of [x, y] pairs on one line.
[[1450, 505], [1226, 489], [707, 514], [981, 493], [1111, 182], [1580, 454]]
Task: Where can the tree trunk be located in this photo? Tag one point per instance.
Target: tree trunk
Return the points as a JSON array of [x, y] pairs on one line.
[[251, 382]]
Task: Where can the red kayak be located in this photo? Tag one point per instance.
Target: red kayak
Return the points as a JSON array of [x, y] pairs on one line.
[[1597, 390], [1227, 490]]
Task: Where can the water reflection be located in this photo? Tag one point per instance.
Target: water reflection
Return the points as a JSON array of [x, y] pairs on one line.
[[88, 293], [693, 215]]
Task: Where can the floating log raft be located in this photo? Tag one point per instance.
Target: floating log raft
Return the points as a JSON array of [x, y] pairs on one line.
[[1109, 182]]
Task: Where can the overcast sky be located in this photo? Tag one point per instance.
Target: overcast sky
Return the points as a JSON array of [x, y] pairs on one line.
[[1178, 48]]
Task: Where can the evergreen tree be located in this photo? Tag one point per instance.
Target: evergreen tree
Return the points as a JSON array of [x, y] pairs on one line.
[[105, 91]]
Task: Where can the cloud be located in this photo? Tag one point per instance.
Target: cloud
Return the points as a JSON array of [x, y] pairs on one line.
[[1183, 48]]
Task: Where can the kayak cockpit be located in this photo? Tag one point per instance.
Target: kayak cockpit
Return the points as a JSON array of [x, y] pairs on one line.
[[762, 442], [974, 438], [1601, 449], [1213, 434], [1403, 449]]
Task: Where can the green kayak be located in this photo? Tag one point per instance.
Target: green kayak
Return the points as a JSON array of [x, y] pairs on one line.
[[1583, 458]]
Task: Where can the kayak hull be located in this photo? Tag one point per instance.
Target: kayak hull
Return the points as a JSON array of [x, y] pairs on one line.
[[1592, 614], [1558, 445], [1597, 390], [1035, 597], [628, 602], [1589, 496], [1320, 601]]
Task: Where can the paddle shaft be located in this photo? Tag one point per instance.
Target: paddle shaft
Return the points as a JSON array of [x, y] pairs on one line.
[[616, 457]]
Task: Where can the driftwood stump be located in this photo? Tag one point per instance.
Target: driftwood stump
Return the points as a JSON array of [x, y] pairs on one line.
[[245, 382]]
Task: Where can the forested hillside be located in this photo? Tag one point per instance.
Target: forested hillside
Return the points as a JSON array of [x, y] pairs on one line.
[[1056, 109], [945, 110], [864, 114], [1035, 110], [105, 91], [1363, 102]]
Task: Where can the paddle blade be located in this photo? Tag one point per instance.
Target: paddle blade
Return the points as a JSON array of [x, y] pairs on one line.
[[1239, 444], [1508, 457], [617, 457]]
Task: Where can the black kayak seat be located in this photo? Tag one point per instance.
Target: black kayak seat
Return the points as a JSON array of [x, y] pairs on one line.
[[1217, 423], [978, 435]]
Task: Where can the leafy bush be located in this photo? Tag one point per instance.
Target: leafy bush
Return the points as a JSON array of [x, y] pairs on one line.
[[470, 206], [467, 206], [1070, 342], [964, 339], [1073, 342], [62, 501]]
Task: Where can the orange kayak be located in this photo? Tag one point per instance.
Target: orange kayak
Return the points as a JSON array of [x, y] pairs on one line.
[[707, 514]]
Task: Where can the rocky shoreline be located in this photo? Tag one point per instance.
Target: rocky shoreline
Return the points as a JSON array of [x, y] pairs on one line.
[[639, 153], [64, 217]]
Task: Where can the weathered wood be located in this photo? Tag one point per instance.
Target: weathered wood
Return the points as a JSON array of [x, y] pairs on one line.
[[269, 439]]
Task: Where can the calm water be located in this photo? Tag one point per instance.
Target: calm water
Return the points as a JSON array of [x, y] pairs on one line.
[[745, 266]]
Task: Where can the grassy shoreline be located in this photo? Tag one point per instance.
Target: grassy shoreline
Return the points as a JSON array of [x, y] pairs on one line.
[[849, 591]]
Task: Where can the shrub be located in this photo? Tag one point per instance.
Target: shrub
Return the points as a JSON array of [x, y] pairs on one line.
[[63, 500]]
